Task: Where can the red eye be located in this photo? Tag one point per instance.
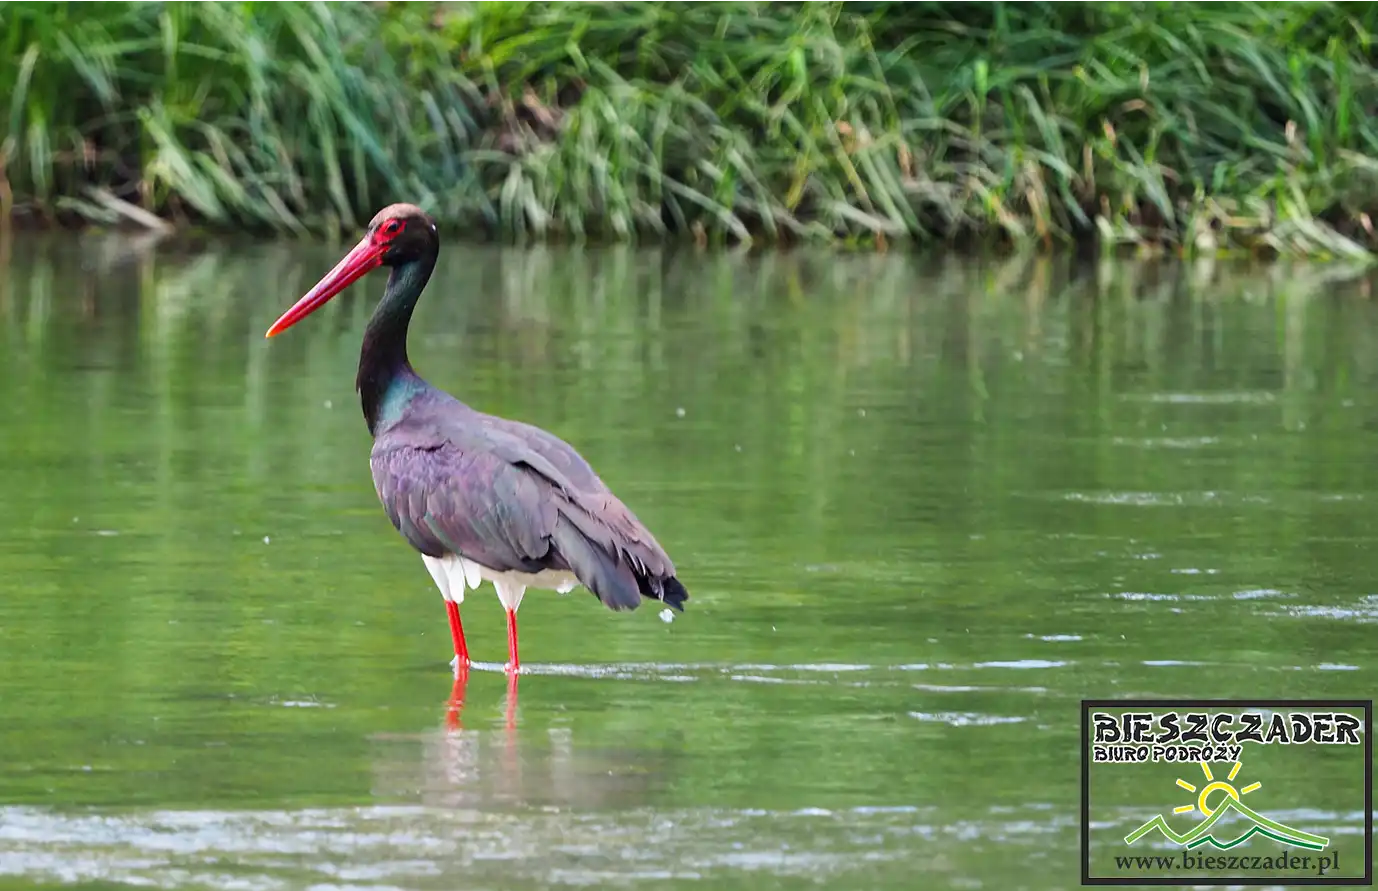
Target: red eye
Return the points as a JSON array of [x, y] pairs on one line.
[[392, 227]]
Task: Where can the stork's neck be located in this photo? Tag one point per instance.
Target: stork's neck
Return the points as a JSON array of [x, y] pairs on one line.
[[386, 381]]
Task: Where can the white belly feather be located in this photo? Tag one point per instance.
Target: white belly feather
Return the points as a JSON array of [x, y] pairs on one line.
[[453, 574]]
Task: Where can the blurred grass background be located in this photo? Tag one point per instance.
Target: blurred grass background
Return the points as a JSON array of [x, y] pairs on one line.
[[1185, 128]]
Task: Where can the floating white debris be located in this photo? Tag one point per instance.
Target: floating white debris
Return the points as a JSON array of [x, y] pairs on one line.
[[329, 404], [861, 412], [667, 616], [106, 532], [679, 412], [266, 539]]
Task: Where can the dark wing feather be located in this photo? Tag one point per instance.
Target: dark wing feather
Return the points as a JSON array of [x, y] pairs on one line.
[[591, 507], [445, 501], [513, 497]]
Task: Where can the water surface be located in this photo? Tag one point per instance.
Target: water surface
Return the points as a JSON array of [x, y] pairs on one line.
[[923, 507]]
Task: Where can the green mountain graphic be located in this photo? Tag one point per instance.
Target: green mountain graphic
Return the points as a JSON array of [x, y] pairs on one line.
[[1201, 833]]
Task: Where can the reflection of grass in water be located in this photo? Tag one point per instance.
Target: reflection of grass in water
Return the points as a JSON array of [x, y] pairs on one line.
[[1185, 125], [831, 536]]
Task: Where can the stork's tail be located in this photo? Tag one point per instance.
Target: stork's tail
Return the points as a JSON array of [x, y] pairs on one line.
[[672, 592], [612, 580]]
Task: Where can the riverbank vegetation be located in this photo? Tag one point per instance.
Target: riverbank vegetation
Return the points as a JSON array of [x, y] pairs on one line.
[[1178, 127]]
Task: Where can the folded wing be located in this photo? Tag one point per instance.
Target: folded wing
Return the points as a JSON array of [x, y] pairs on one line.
[[488, 492]]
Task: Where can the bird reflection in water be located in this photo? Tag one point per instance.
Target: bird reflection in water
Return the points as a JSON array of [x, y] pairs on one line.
[[455, 707], [464, 764]]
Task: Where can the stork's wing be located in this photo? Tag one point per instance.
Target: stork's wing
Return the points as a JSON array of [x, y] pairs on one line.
[[544, 452], [583, 500], [483, 493], [447, 501]]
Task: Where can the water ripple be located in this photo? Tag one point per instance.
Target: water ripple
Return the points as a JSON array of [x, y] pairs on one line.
[[380, 847], [967, 719], [1219, 397], [1365, 611], [1168, 442]]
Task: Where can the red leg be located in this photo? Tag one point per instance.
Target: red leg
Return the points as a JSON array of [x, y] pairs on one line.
[[457, 632], [512, 663]]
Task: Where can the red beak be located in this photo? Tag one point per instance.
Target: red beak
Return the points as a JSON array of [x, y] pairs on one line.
[[364, 257]]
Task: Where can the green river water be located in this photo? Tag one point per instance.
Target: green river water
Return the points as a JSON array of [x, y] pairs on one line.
[[923, 508]]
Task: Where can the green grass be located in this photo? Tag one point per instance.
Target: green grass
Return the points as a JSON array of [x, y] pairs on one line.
[[1190, 128]]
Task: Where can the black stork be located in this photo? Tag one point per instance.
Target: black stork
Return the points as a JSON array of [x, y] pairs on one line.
[[481, 497]]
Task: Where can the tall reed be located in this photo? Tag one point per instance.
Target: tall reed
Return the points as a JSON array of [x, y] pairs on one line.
[[1181, 127]]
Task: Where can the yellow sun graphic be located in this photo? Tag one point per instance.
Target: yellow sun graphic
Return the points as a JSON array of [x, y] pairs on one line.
[[1213, 785]]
